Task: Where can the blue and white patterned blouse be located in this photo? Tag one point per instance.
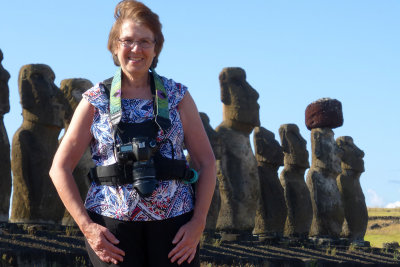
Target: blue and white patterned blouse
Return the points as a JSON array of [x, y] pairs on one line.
[[171, 198]]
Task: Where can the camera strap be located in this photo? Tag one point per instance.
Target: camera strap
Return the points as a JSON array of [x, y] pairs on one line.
[[160, 100]]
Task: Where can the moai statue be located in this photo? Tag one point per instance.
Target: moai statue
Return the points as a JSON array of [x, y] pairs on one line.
[[237, 169], [5, 164], [328, 213], [215, 142], [271, 212], [72, 90], [355, 209], [297, 195], [35, 199]]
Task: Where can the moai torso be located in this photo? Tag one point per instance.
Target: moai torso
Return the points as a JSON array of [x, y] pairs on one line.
[[271, 212], [35, 199], [355, 208], [72, 90], [328, 213], [5, 163], [297, 195], [215, 142], [237, 169]]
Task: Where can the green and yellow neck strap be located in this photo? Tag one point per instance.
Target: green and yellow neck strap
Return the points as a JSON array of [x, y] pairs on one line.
[[160, 99]]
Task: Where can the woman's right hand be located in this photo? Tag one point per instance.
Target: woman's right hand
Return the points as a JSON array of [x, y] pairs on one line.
[[71, 149], [103, 242]]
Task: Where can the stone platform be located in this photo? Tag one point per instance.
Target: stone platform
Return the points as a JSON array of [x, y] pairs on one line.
[[49, 245]]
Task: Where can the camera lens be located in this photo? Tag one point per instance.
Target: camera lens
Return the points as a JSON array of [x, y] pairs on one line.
[[144, 177]]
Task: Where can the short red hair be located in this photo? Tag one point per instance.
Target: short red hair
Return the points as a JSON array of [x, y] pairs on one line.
[[139, 13]]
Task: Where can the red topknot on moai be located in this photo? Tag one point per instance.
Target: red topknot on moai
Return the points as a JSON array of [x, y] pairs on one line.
[[324, 113], [328, 214]]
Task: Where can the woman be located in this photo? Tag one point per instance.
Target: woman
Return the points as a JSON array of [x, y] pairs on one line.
[[121, 224]]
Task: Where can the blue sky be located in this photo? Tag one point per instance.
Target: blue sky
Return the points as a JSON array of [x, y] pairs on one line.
[[294, 52]]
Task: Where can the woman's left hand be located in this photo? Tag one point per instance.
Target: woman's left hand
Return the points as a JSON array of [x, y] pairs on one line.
[[186, 241], [188, 237]]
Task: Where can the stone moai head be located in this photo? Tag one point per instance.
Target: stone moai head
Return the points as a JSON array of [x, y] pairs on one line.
[[73, 90], [267, 149], [42, 101], [240, 107], [215, 141], [4, 91], [326, 154], [352, 157], [294, 146]]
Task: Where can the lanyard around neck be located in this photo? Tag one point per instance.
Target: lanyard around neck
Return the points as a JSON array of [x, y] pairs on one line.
[[161, 112]]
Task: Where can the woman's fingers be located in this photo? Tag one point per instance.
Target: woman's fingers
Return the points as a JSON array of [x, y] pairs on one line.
[[113, 257], [102, 242], [186, 245], [113, 251], [180, 244], [189, 255], [186, 252], [107, 256], [110, 237], [186, 241], [179, 253], [192, 256], [178, 241], [178, 236]]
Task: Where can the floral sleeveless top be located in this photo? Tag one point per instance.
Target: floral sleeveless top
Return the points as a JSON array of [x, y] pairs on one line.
[[170, 198]]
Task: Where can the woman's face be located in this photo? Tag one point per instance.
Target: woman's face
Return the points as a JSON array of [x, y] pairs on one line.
[[136, 60]]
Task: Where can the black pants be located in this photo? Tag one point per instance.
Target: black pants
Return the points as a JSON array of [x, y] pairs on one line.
[[146, 244]]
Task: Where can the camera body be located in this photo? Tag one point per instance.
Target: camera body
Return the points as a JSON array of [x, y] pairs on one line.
[[139, 154], [139, 149]]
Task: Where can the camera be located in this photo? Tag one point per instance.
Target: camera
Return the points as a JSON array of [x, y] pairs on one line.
[[140, 149], [138, 153]]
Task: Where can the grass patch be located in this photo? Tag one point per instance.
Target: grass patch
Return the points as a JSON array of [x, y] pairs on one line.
[[377, 240], [383, 212], [389, 232]]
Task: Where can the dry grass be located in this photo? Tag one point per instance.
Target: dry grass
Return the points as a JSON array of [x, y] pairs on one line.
[[383, 212], [390, 229]]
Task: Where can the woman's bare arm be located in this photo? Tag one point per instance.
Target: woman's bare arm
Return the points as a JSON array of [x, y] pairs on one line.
[[199, 148], [71, 149]]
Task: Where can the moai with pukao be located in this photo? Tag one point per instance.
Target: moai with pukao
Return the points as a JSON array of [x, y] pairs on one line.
[[328, 214], [348, 181], [35, 199], [73, 90], [271, 212], [237, 169], [5, 162], [297, 195]]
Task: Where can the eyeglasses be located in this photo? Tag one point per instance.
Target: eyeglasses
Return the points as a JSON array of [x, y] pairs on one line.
[[144, 43]]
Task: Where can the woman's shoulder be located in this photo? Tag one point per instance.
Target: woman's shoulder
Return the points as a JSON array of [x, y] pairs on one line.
[[175, 90], [171, 84], [97, 96]]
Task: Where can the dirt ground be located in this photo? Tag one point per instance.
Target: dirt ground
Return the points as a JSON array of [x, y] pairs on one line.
[[44, 245]]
